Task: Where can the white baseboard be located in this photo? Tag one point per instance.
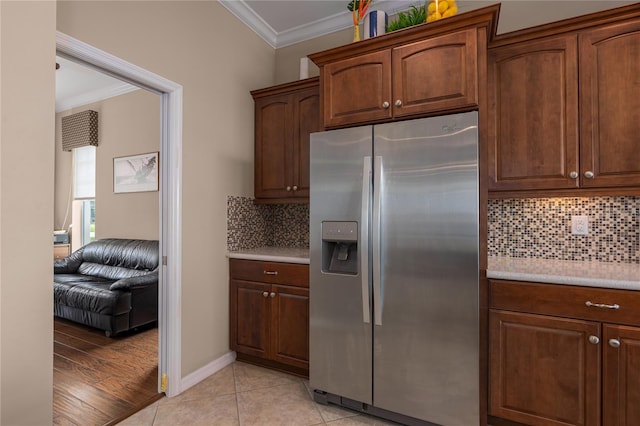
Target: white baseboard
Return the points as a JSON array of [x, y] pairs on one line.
[[206, 371]]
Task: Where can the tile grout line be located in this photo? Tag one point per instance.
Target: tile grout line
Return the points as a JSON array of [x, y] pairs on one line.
[[235, 392]]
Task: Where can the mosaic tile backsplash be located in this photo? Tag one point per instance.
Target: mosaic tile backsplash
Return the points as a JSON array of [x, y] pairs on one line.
[[541, 228], [524, 228], [252, 225]]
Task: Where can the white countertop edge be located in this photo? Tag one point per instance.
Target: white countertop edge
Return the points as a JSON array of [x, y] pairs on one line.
[[268, 257], [566, 280]]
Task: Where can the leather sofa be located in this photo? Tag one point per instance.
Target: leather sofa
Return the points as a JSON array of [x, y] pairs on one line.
[[110, 284]]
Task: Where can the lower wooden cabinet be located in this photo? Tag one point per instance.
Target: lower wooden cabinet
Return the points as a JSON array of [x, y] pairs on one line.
[[573, 366], [543, 370], [269, 307], [621, 375]]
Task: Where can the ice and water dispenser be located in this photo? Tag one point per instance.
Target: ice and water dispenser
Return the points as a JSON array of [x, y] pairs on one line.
[[340, 247]]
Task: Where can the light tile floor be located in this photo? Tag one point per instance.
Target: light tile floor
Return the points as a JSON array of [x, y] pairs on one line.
[[246, 395]]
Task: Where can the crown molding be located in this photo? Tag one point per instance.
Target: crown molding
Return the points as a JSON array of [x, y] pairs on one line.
[[252, 20], [330, 24]]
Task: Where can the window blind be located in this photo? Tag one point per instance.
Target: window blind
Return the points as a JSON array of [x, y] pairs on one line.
[[79, 130]]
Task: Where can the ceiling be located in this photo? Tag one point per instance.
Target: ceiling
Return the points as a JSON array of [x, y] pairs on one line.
[[78, 85], [285, 22]]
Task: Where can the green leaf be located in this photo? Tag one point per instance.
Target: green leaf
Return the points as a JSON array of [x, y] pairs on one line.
[[417, 14]]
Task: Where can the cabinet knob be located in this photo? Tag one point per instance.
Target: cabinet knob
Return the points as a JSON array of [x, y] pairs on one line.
[[385, 105], [614, 343], [265, 294], [594, 339], [398, 103], [288, 188], [573, 175], [295, 187], [589, 174], [272, 295], [270, 272]]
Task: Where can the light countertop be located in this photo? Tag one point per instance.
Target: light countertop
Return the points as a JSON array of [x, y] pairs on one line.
[[569, 272], [273, 254]]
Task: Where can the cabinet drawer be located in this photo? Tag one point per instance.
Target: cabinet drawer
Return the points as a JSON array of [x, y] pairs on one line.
[[566, 301], [269, 272]]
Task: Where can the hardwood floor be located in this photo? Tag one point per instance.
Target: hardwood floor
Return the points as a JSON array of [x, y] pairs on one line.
[[99, 380]]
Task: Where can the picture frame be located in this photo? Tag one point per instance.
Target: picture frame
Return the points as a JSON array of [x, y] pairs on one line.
[[136, 173]]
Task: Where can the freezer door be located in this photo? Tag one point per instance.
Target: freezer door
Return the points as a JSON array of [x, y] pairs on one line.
[[340, 331], [425, 229]]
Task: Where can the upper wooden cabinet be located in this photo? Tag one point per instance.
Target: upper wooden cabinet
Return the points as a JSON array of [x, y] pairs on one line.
[[533, 114], [285, 116], [437, 74], [356, 89], [563, 106], [610, 105], [425, 70]]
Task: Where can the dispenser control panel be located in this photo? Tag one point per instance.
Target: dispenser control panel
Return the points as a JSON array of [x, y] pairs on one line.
[[340, 231]]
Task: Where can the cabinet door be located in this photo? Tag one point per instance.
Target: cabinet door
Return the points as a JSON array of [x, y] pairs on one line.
[[306, 120], [543, 370], [533, 115], [437, 74], [272, 146], [609, 102], [355, 90], [290, 325], [250, 314], [621, 375]]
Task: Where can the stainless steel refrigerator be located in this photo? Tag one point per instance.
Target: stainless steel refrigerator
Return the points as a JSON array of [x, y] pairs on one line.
[[394, 269]]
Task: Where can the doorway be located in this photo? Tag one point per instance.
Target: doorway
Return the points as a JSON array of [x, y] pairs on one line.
[[170, 237]]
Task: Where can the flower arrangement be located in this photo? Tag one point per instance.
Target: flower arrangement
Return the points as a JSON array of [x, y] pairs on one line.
[[359, 9]]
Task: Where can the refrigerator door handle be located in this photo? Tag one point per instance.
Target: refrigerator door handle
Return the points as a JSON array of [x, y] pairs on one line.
[[377, 281], [364, 238]]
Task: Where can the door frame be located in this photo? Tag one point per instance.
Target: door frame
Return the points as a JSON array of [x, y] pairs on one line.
[[169, 285]]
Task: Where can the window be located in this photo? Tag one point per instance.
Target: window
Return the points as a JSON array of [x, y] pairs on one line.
[[84, 172], [84, 193]]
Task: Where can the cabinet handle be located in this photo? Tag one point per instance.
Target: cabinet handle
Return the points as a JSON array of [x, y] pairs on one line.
[[601, 305], [594, 340], [288, 188], [295, 187], [272, 294], [270, 272], [573, 175], [614, 343], [398, 103], [265, 294], [385, 105], [589, 174]]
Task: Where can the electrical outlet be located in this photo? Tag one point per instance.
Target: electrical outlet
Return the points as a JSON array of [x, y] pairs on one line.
[[580, 225]]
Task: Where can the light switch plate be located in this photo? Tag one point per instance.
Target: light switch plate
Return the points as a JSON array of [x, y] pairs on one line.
[[580, 225]]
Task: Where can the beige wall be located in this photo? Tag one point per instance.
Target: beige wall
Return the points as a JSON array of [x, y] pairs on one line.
[[27, 82], [129, 124], [217, 60], [288, 58]]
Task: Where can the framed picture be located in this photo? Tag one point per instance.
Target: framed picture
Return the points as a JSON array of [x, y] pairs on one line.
[[136, 173]]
